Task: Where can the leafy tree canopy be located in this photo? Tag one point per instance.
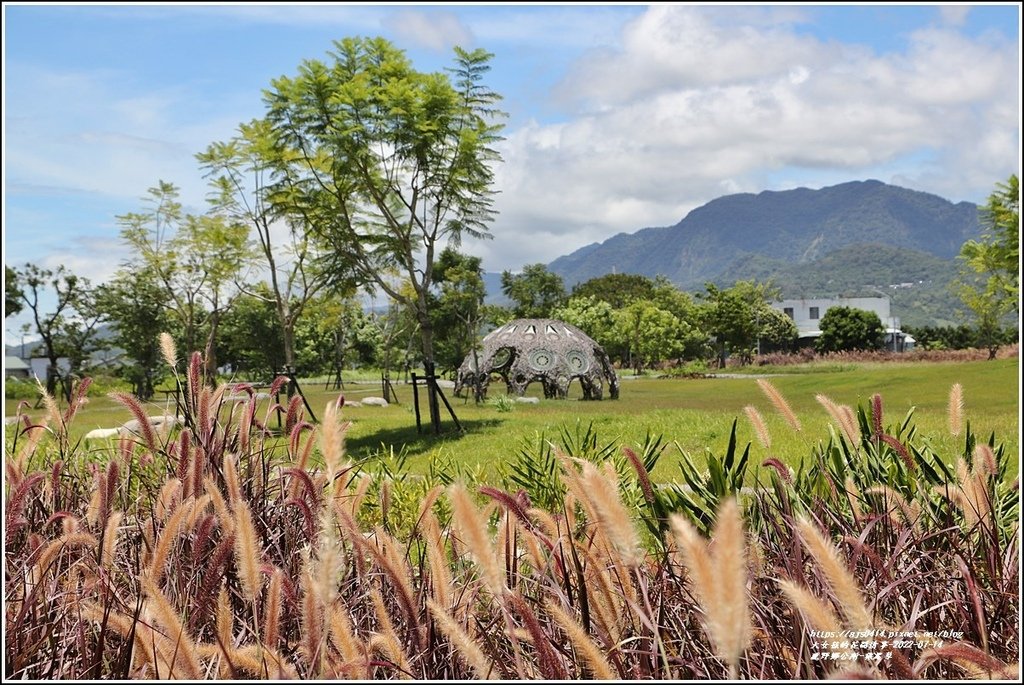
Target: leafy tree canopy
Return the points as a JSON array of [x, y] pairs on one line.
[[535, 292], [12, 293], [617, 290], [988, 282], [849, 328]]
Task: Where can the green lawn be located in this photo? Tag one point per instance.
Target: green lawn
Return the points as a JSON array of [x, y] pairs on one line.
[[694, 413]]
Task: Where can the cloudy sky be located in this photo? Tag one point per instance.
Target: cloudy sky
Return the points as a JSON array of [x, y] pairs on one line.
[[620, 116]]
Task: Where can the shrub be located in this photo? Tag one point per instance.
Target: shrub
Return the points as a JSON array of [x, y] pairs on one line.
[[502, 403]]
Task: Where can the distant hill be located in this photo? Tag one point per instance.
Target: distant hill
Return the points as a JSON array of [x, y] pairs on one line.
[[809, 242], [916, 281], [492, 286]]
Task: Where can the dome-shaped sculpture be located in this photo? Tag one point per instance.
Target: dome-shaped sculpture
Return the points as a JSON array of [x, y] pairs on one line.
[[546, 350]]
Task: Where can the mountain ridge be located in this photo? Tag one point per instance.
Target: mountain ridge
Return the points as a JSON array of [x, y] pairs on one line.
[[787, 232]]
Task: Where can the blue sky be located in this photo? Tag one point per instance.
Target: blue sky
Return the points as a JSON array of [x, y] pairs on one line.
[[621, 116]]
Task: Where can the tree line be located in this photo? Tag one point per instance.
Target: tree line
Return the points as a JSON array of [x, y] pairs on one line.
[[365, 175]]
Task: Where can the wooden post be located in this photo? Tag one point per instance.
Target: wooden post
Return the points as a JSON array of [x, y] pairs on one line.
[[450, 410]]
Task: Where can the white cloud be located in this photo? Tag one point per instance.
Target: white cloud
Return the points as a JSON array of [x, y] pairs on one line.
[[116, 140], [688, 110], [954, 15], [438, 31], [553, 27]]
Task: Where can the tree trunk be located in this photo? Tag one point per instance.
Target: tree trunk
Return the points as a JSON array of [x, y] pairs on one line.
[[52, 370], [52, 373], [288, 333], [427, 339]]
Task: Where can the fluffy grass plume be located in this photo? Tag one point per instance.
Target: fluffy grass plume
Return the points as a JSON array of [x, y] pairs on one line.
[[345, 640], [272, 609], [984, 460], [110, 540], [759, 426], [972, 493], [719, 574], [472, 528], [843, 418], [602, 493], [247, 553], [168, 537], [225, 620], [312, 625], [816, 613], [183, 648], [167, 350], [440, 573], [780, 403], [55, 547], [911, 509], [135, 407], [231, 478], [590, 655], [468, 649], [956, 409], [877, 426], [974, 661], [392, 646], [220, 507], [263, 662], [332, 441], [53, 413], [839, 578]]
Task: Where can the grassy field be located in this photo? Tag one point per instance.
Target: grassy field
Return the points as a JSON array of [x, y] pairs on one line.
[[693, 414]]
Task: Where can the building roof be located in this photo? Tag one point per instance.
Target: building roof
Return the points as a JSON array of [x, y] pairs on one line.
[[15, 364]]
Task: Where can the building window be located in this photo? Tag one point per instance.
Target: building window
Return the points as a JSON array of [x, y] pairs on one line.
[[814, 312], [788, 311]]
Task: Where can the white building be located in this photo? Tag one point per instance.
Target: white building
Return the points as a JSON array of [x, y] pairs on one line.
[[807, 314]]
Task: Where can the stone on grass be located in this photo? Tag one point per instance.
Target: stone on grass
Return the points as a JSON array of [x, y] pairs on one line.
[[102, 433]]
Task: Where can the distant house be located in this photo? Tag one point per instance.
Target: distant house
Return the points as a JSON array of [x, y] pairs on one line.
[[807, 314], [14, 367]]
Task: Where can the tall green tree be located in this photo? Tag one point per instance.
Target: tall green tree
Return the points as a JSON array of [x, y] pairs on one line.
[[389, 164], [335, 334], [197, 259], [68, 331], [80, 330], [649, 334], [988, 281], [134, 302], [251, 336], [535, 292], [594, 317], [618, 290], [849, 328], [670, 298], [249, 173], [458, 311], [777, 331], [732, 317]]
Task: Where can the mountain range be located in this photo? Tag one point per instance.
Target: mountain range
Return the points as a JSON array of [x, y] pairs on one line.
[[853, 238]]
